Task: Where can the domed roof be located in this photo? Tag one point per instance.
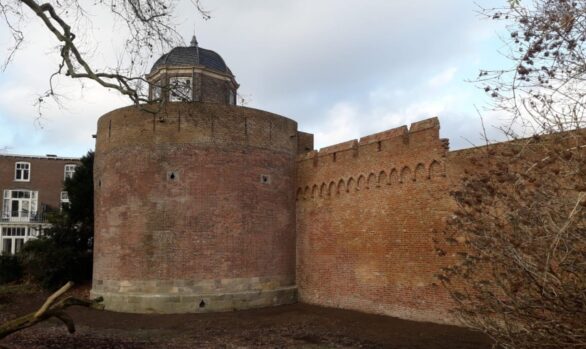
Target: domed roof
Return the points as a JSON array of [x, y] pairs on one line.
[[190, 56]]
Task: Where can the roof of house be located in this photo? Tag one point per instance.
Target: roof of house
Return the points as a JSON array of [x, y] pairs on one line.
[[48, 157]]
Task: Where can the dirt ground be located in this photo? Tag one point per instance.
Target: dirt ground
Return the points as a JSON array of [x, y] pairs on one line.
[[291, 326]]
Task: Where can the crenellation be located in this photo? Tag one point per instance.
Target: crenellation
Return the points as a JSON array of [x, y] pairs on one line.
[[401, 132], [395, 142], [431, 123], [337, 148]]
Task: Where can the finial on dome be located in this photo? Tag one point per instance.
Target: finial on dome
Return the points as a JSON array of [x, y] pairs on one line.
[[193, 41]]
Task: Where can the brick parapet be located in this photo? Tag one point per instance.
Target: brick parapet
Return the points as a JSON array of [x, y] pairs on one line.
[[366, 211], [403, 152], [196, 123]]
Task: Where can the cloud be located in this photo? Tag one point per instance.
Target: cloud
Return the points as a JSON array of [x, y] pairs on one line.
[[66, 128], [341, 69], [343, 122], [346, 121], [442, 78]]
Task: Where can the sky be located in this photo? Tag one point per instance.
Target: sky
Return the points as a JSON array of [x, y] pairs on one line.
[[341, 69]]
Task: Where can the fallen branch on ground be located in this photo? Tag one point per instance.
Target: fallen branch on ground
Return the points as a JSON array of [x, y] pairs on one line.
[[51, 308]]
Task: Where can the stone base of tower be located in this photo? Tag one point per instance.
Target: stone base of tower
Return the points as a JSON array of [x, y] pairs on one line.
[[174, 297]]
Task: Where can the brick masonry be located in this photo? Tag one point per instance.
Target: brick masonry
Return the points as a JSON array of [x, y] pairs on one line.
[[194, 195], [366, 214], [46, 177], [232, 206]]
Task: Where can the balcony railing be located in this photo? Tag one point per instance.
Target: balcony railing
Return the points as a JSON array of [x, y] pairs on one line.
[[24, 217]]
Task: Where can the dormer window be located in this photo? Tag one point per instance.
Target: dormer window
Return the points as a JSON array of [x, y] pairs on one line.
[[22, 172], [180, 89]]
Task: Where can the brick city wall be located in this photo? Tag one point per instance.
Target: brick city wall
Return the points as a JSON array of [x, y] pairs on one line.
[[366, 211], [200, 198], [197, 197], [46, 177]]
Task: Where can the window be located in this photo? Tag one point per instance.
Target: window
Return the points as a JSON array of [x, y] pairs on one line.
[[13, 238], [180, 89], [22, 171], [156, 92], [64, 199], [19, 205], [14, 231], [232, 98], [69, 171]]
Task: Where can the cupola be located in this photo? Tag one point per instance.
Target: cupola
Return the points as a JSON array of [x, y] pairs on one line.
[[192, 73]]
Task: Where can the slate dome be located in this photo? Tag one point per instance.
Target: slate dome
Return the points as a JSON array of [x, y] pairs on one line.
[[190, 56]]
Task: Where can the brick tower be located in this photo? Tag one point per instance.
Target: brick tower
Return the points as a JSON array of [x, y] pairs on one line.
[[194, 196]]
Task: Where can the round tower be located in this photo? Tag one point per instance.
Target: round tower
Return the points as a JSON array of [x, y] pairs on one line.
[[194, 201]]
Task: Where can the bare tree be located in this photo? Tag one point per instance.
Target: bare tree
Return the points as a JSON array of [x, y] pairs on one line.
[[517, 243], [544, 88], [150, 28], [518, 240]]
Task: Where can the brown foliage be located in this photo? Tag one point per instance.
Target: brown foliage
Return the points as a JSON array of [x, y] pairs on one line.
[[520, 230], [544, 87], [519, 238]]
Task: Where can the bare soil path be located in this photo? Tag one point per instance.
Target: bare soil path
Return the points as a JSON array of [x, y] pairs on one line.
[[292, 326]]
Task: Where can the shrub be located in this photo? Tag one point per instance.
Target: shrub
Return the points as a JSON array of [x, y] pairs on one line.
[[51, 263], [10, 269], [64, 252]]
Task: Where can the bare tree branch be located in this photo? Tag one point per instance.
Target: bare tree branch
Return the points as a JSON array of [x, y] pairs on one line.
[[150, 29], [51, 308], [517, 242]]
